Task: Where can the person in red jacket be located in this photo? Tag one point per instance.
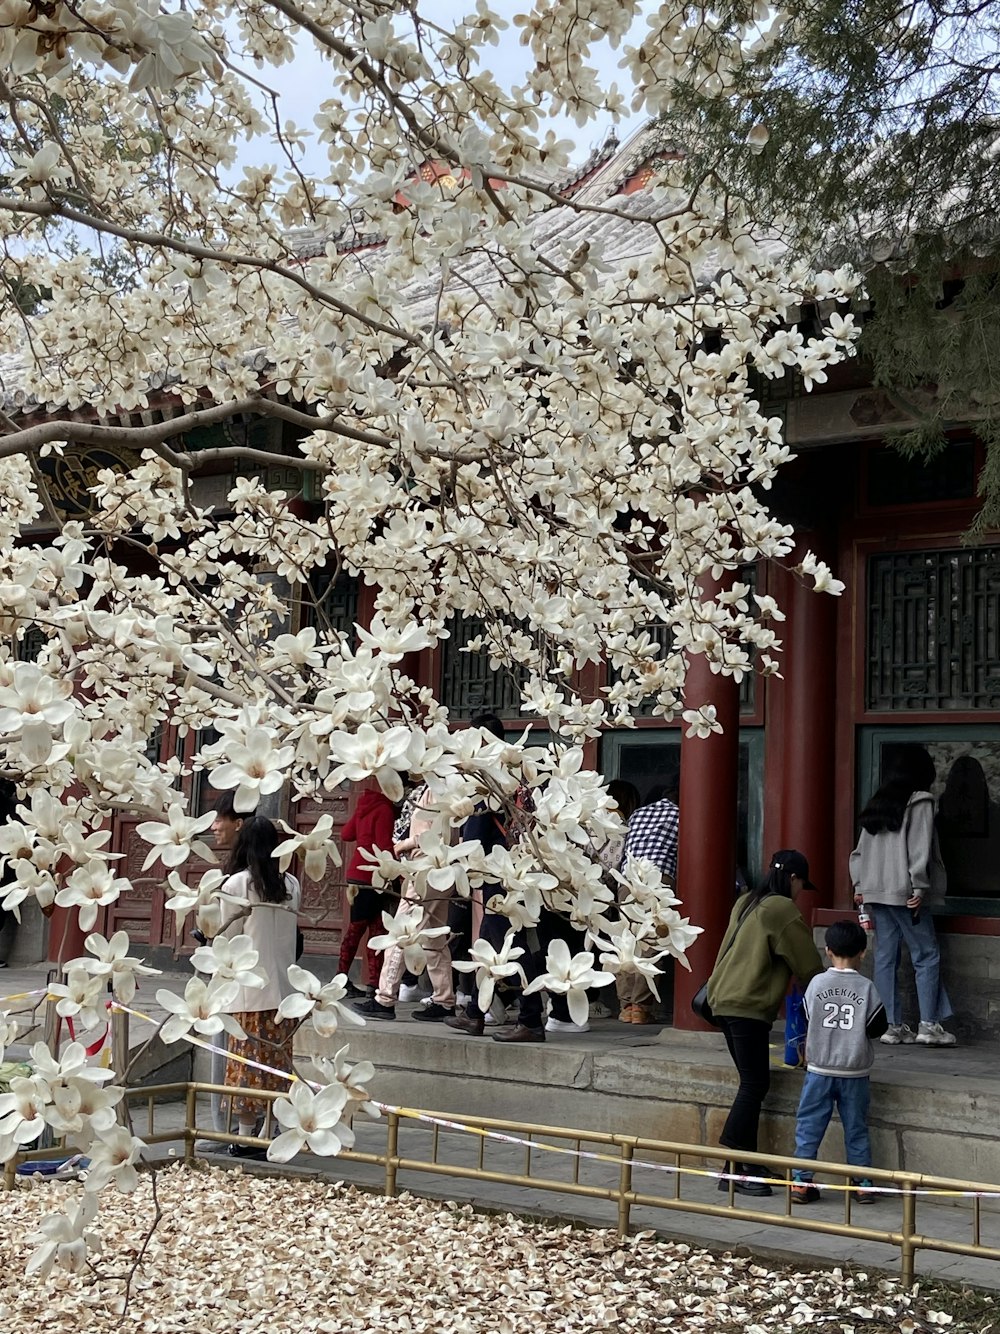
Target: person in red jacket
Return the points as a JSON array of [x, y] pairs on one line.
[[369, 827]]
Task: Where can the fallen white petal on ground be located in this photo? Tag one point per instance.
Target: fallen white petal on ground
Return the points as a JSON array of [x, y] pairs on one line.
[[236, 1253]]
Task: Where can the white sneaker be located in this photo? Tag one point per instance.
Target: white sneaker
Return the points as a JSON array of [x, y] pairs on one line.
[[933, 1035], [598, 1010], [462, 1000], [407, 994], [497, 1013], [897, 1033], [565, 1026]]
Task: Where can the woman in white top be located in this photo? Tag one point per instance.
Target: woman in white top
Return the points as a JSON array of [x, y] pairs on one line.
[[895, 869], [270, 919]]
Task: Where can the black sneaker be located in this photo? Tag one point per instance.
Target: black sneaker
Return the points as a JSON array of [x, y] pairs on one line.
[[745, 1187], [372, 1008], [354, 993], [433, 1013], [250, 1151]]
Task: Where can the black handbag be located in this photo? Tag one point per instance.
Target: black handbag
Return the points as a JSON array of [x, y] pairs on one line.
[[701, 1007]]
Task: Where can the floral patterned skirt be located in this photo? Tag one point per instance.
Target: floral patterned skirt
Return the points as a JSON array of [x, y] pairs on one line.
[[269, 1041]]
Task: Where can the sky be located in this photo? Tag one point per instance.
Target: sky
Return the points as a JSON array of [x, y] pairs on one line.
[[300, 83]]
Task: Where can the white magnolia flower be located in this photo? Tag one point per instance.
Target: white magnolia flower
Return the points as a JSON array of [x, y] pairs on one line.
[[174, 842], [30, 883], [394, 642], [315, 846], [352, 1077], [34, 707], [701, 722], [625, 952], [112, 1158], [403, 931], [65, 1239], [299, 650], [321, 1000], [82, 1109], [80, 997], [230, 959], [202, 1008], [371, 753], [91, 887], [441, 865], [490, 965], [8, 1031], [203, 898], [110, 960], [254, 768], [22, 1113], [677, 935], [311, 1121], [72, 1063], [570, 976], [822, 575]]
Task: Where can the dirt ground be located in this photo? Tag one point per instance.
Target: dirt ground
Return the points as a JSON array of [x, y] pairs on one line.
[[235, 1253]]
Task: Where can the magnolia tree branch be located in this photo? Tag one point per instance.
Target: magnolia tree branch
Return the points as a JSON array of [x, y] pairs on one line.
[[177, 245]]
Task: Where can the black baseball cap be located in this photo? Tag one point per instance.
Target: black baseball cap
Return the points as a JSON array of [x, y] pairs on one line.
[[788, 859]]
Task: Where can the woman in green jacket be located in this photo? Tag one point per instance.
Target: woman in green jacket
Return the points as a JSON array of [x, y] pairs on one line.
[[766, 942]]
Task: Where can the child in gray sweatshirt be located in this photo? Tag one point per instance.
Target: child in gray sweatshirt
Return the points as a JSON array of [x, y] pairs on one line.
[[844, 1013]]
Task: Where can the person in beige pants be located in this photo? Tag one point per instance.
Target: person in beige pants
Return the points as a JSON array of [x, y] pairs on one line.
[[442, 1003]]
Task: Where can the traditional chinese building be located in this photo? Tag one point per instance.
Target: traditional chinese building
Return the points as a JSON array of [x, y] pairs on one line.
[[909, 652]]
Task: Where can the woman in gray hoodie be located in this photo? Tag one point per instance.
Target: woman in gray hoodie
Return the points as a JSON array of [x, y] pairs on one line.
[[891, 870]]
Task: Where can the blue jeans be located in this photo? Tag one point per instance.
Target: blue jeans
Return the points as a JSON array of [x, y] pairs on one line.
[[820, 1094], [892, 925]]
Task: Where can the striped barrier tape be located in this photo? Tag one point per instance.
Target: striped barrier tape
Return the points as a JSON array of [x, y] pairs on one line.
[[414, 1114]]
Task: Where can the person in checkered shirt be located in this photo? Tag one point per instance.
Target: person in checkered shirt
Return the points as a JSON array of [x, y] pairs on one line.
[[652, 834]]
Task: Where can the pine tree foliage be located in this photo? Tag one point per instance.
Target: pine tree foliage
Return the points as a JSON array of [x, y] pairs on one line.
[[867, 130]]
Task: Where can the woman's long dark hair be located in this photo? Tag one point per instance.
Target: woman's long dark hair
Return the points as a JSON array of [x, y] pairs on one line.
[[625, 795], [253, 851], [911, 769]]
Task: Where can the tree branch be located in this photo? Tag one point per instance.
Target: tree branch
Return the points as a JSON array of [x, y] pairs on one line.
[[159, 241]]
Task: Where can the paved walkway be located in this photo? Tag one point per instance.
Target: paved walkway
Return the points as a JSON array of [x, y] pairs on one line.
[[790, 1246]]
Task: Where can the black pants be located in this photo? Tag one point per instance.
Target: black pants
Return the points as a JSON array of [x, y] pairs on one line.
[[747, 1040], [551, 926], [460, 941]]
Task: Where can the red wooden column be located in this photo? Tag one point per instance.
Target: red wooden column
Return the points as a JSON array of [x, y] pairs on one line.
[[805, 769], [66, 936], [706, 860]]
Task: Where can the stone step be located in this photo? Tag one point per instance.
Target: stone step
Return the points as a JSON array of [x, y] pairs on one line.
[[933, 1111]]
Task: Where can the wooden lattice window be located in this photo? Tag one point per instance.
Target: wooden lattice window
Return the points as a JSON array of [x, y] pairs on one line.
[[934, 630], [31, 643], [335, 605], [469, 685]]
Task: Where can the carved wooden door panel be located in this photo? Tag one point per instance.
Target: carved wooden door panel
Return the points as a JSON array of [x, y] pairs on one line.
[[140, 912], [324, 904]]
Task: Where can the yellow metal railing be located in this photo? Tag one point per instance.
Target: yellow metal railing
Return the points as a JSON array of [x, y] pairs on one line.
[[623, 1158]]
